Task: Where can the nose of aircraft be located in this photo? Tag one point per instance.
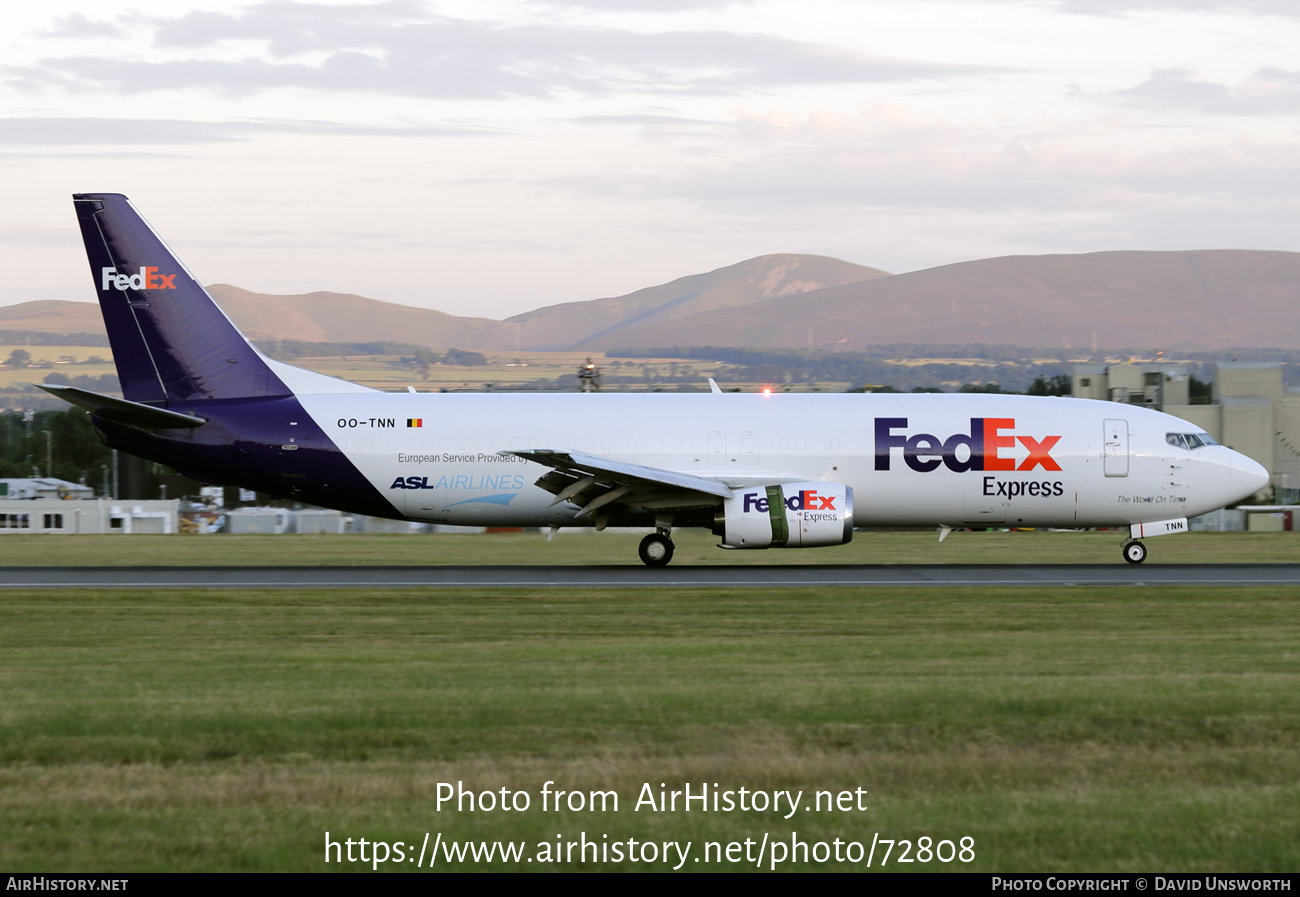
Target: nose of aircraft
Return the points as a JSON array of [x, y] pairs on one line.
[[1245, 477]]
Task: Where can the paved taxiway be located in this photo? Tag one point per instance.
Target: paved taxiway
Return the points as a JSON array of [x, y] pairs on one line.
[[630, 576]]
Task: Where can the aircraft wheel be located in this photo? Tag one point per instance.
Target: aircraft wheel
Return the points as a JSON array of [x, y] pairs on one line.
[[1135, 552], [656, 550]]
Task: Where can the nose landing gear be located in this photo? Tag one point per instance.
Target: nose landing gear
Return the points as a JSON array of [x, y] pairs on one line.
[[1134, 552], [656, 550]]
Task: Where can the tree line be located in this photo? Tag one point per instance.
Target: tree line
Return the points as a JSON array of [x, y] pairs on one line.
[[867, 371], [74, 446]]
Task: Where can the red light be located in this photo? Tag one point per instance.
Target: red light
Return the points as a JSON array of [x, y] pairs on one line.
[[767, 390]]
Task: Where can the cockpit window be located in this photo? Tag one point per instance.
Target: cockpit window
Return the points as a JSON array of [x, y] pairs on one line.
[[1189, 440]]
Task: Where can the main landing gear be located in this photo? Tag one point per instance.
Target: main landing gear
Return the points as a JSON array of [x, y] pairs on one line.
[[1135, 552], [656, 550]]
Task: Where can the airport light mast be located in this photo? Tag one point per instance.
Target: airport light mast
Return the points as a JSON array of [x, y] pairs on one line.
[[589, 377]]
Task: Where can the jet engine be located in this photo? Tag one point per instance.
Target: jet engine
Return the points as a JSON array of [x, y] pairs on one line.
[[788, 515]]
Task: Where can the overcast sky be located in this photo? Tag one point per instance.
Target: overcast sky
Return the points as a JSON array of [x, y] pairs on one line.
[[488, 157]]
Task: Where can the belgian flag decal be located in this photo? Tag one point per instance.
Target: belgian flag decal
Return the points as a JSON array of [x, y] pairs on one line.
[[415, 422]]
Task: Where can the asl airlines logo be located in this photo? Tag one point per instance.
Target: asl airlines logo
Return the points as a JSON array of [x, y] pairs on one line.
[[147, 279], [983, 446]]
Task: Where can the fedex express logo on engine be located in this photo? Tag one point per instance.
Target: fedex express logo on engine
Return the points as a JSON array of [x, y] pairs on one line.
[[803, 500], [984, 444], [147, 279]]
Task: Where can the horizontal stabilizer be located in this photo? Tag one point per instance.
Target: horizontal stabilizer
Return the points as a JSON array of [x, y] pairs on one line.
[[122, 411]]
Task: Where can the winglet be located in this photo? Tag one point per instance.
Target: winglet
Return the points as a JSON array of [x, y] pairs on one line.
[[713, 387]]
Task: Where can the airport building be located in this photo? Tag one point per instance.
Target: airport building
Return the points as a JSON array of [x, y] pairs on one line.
[[43, 487], [1249, 411], [70, 517], [79, 517]]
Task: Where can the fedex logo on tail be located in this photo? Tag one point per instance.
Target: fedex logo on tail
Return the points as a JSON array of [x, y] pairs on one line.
[[984, 446], [147, 279]]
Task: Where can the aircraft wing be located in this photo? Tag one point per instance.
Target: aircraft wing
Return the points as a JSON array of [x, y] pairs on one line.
[[122, 410], [592, 482]]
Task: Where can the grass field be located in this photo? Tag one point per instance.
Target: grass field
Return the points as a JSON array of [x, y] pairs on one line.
[[1082, 729], [588, 547], [51, 354]]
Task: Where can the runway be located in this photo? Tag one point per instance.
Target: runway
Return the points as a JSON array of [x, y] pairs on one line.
[[643, 577]]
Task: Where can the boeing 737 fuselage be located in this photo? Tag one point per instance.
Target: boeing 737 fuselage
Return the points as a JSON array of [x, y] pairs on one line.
[[759, 470]]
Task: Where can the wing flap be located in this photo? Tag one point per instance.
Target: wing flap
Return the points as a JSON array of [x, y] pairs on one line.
[[575, 477]]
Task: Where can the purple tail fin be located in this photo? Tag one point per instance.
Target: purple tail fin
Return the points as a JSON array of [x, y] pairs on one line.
[[170, 340]]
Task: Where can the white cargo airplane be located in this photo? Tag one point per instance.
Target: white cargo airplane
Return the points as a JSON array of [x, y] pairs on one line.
[[758, 470]]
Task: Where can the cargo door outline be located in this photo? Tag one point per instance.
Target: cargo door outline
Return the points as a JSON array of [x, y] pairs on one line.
[[1115, 451], [717, 447]]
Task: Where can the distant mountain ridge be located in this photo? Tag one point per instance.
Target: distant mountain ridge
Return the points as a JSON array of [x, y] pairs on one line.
[[324, 317], [1201, 300], [735, 286], [1213, 299], [53, 316]]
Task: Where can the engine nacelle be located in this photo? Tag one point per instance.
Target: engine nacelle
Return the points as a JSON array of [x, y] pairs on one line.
[[789, 515]]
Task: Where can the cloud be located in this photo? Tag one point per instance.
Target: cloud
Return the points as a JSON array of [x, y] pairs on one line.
[[1270, 91], [669, 6], [1086, 7], [71, 131], [77, 25], [886, 162], [660, 128], [1285, 8], [34, 236], [908, 205], [403, 49]]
